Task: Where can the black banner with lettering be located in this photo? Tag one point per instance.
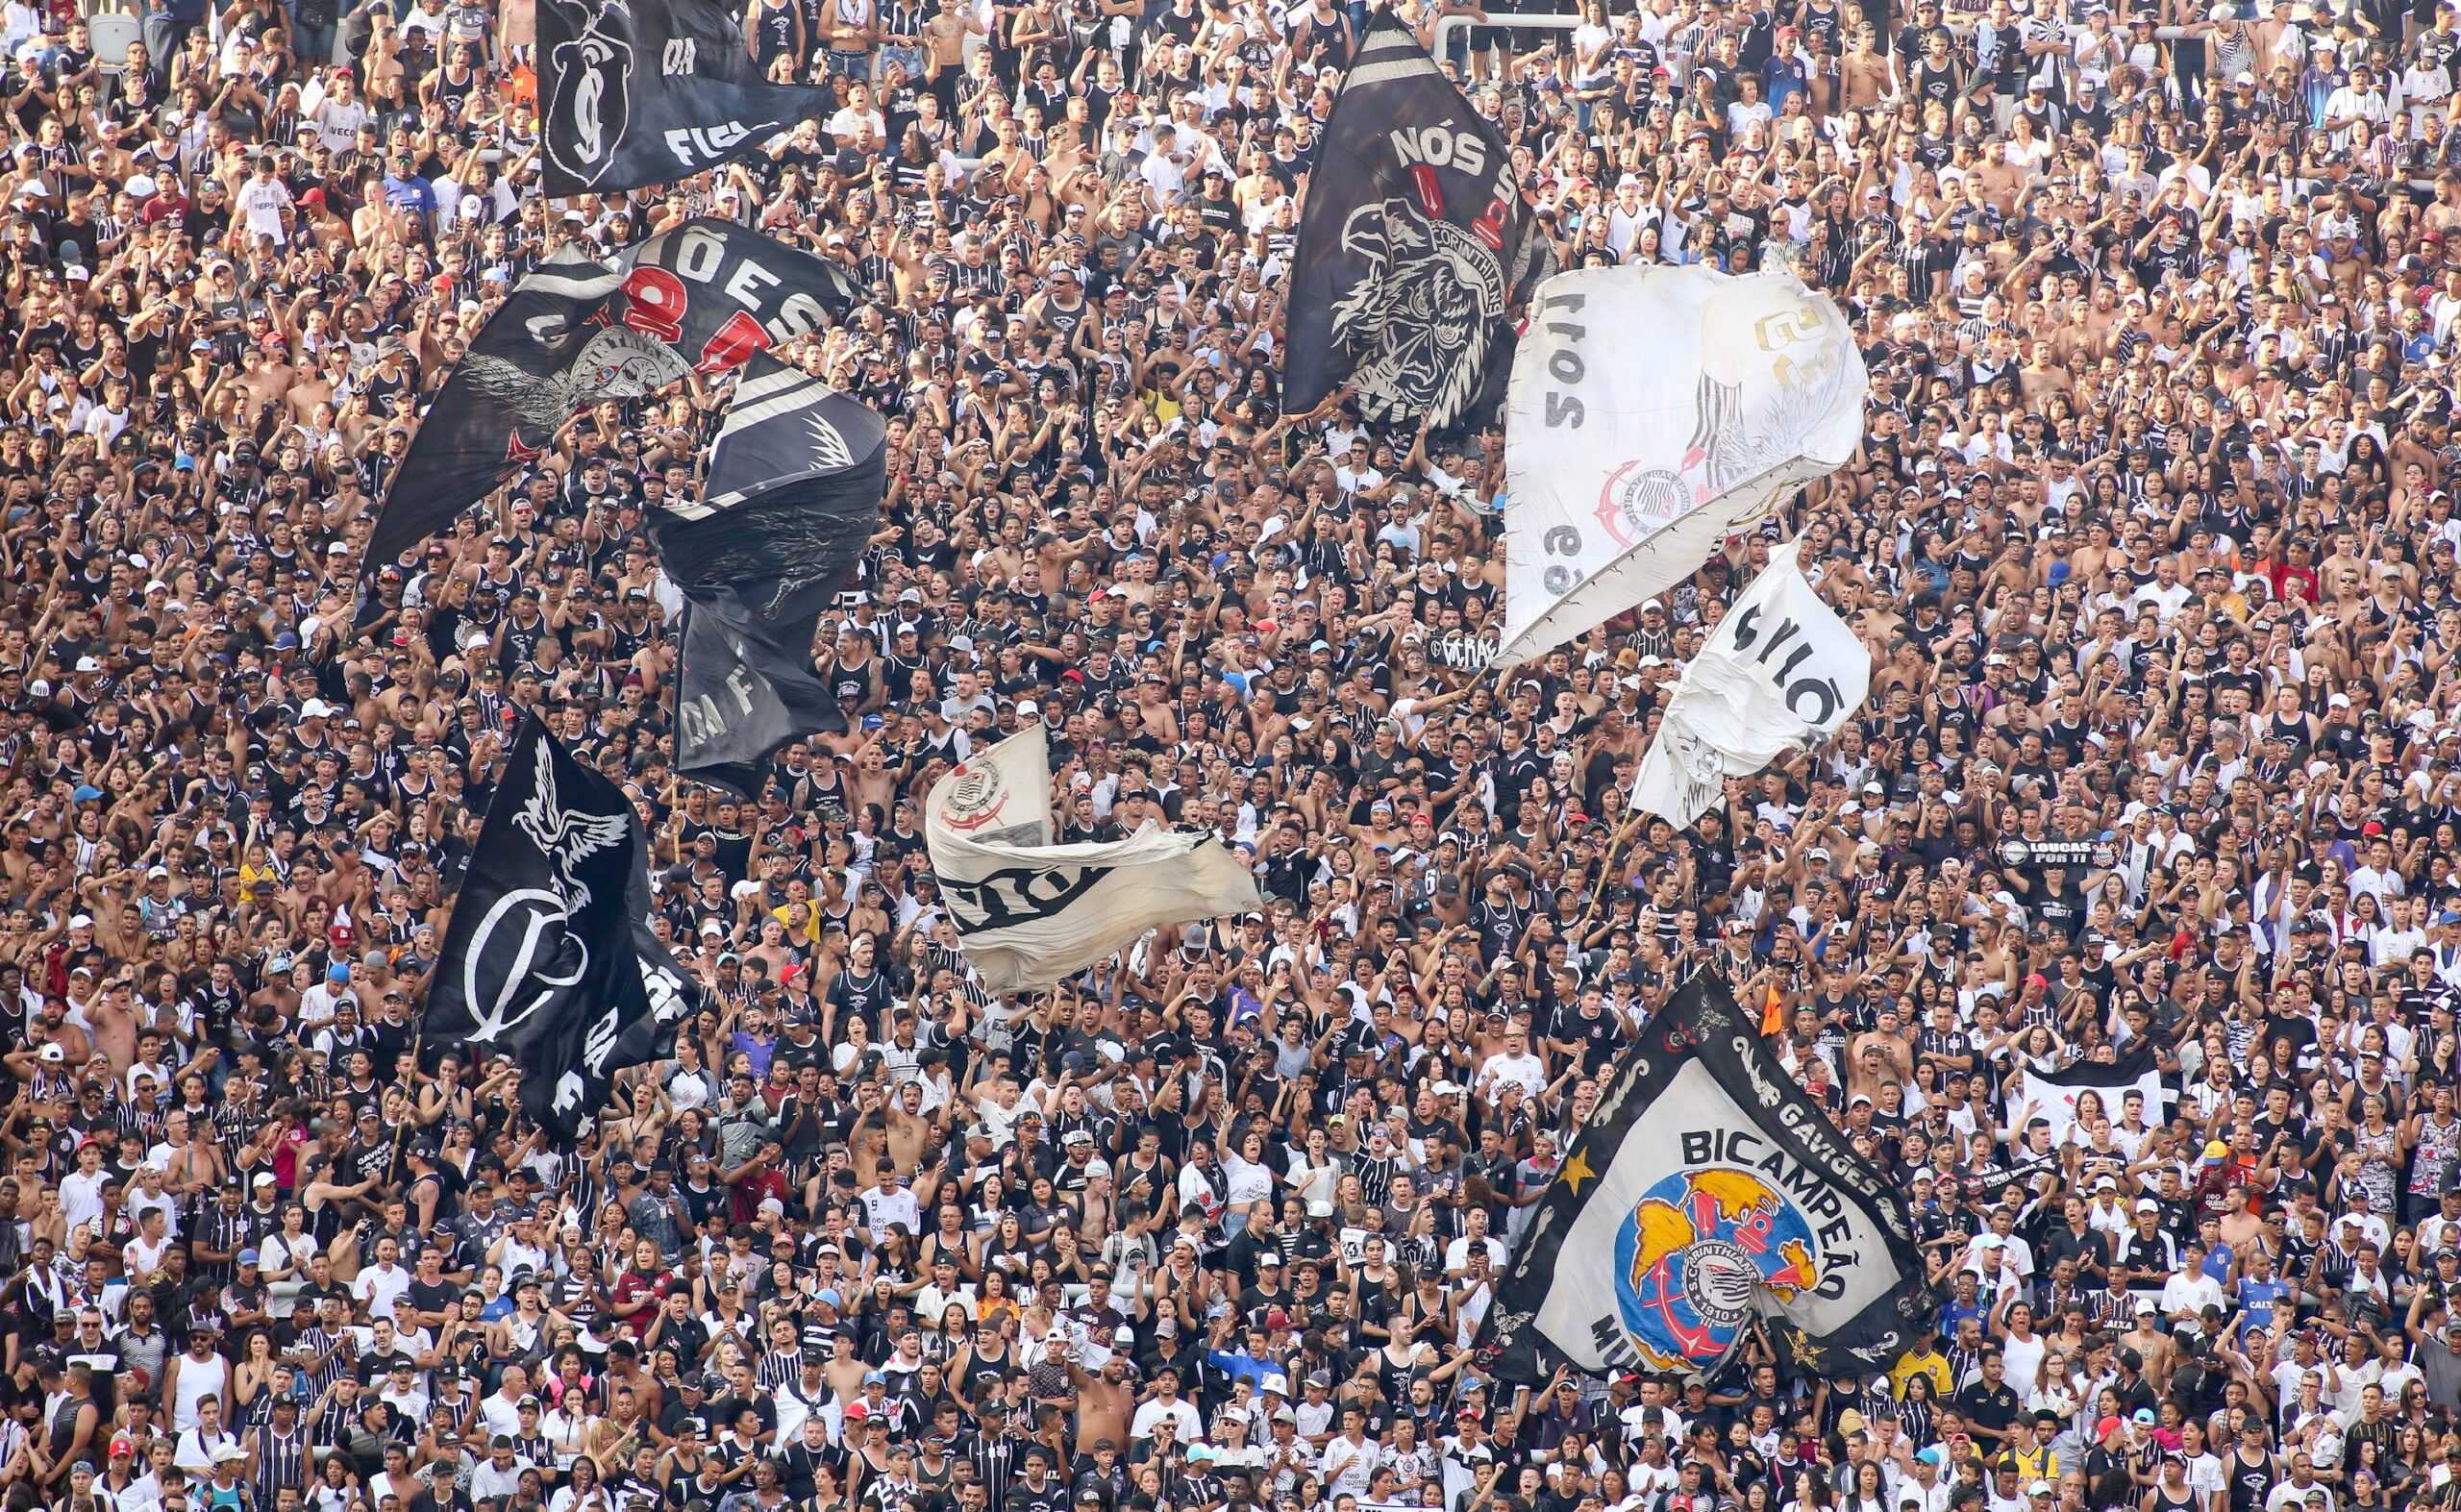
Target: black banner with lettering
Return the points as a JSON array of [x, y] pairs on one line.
[[1415, 244], [634, 92], [791, 498], [701, 298]]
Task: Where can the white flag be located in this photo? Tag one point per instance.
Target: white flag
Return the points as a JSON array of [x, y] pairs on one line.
[[1654, 411], [1029, 912], [1780, 673]]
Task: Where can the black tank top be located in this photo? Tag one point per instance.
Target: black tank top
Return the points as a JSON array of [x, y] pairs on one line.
[[775, 37], [984, 1372], [2248, 1485]]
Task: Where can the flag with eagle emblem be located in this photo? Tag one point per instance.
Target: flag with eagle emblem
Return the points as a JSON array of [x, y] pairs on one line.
[[1709, 1198], [1415, 244], [549, 956], [790, 501]]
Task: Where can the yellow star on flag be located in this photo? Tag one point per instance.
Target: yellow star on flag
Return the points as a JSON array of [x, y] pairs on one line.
[[1577, 1170]]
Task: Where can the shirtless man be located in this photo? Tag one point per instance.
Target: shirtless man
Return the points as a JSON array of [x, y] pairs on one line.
[[2040, 377], [313, 386], [944, 53], [1863, 73], [1105, 1401]]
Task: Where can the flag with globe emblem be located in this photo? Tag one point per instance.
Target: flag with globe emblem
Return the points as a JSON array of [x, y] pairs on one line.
[[1708, 1199]]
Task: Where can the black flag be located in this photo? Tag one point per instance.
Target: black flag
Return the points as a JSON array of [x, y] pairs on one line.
[[1414, 245], [791, 498], [648, 91], [549, 957], [701, 298], [1709, 1194]]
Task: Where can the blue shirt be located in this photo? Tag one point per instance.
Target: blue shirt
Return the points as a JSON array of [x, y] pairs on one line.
[[2256, 1300], [411, 193], [1781, 77], [1950, 1315], [1239, 1365]]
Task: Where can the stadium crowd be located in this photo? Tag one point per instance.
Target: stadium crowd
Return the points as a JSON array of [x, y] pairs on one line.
[[2151, 540]]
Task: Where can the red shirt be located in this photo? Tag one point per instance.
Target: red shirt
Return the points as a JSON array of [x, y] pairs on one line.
[[631, 1285], [756, 1188]]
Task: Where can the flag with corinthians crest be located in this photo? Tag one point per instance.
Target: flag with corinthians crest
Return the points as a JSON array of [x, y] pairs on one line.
[[1415, 246], [1723, 1202]]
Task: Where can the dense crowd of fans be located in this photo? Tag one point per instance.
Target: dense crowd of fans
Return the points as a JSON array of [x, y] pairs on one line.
[[2150, 539]]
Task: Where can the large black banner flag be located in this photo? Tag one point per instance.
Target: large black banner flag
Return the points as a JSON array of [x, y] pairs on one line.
[[701, 298], [549, 956], [1414, 245], [1706, 1196], [648, 91], [791, 498]]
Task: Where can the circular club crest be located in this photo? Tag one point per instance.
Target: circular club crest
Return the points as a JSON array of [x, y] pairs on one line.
[[1640, 501], [1692, 1253], [975, 799]]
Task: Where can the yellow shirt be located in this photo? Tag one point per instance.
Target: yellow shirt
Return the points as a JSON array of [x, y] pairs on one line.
[[809, 934], [1910, 1365]]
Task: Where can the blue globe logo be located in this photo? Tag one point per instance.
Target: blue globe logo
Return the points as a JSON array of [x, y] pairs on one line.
[[1692, 1255]]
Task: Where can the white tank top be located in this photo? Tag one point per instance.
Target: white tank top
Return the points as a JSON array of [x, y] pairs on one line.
[[198, 1380]]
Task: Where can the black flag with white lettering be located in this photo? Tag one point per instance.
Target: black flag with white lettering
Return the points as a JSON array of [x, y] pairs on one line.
[[549, 957], [635, 92], [703, 297], [1415, 245], [791, 499], [1708, 1198]]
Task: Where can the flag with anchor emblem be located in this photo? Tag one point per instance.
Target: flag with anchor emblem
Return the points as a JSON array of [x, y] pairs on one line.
[[701, 298], [1709, 1200], [549, 957], [634, 92], [1781, 673], [791, 499], [1029, 912]]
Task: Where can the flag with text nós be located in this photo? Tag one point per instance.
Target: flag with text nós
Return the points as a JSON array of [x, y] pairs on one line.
[[1414, 246]]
